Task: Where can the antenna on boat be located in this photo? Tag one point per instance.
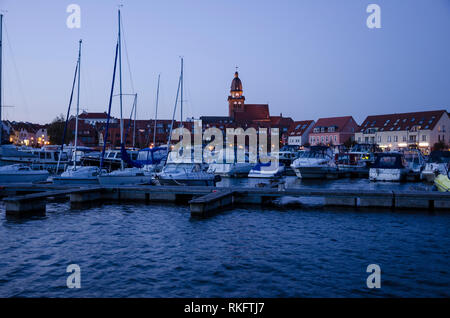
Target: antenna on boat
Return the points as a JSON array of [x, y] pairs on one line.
[[156, 111]]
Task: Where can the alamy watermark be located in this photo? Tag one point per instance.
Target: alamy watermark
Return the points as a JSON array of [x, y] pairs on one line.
[[374, 19], [231, 149], [374, 279], [74, 279], [74, 19]]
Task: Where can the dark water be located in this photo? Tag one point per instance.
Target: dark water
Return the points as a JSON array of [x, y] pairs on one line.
[[137, 250]]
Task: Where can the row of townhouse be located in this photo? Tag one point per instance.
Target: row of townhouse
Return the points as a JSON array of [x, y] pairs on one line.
[[326, 131], [391, 131], [27, 134]]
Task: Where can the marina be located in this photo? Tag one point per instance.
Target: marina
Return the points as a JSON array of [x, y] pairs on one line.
[[144, 167]]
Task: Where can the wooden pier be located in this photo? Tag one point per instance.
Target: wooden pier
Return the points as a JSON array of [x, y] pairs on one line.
[[203, 201]]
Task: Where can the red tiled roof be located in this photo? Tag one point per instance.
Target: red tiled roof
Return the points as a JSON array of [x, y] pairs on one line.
[[405, 121], [338, 122], [281, 121], [297, 128], [253, 112], [86, 115]]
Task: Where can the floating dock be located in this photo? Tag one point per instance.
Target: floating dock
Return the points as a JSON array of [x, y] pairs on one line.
[[204, 201]]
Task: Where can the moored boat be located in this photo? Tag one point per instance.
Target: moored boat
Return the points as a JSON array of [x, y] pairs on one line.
[[78, 175], [266, 170], [316, 163], [230, 167], [186, 174], [389, 166], [438, 163], [130, 176], [442, 183], [19, 173]]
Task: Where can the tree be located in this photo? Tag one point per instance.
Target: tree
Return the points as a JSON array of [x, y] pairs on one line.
[[349, 143], [440, 145], [55, 131]]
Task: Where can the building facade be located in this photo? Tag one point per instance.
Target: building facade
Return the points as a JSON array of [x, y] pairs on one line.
[[395, 131], [299, 132], [333, 131]]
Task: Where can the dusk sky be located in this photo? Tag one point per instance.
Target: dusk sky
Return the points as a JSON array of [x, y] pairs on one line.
[[306, 58]]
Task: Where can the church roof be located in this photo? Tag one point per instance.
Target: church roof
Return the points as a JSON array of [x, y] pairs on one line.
[[236, 84], [253, 112]]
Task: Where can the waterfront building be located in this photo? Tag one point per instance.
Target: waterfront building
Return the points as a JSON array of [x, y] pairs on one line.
[[27, 134], [298, 134], [394, 131], [333, 131]]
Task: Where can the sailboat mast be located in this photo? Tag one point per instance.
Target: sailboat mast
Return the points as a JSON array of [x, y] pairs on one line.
[[120, 87], [156, 111], [1, 51], [181, 100], [134, 124], [78, 105]]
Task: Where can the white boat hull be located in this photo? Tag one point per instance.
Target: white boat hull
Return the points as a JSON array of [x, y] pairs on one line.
[[379, 174], [266, 173]]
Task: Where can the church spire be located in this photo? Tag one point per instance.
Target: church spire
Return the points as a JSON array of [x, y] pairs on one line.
[[236, 98]]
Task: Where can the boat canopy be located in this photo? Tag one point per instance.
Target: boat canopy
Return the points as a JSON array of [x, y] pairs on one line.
[[389, 161], [146, 156]]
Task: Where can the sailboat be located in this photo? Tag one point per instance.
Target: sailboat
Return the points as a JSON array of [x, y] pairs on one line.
[[133, 175], [16, 173], [75, 174], [183, 172]]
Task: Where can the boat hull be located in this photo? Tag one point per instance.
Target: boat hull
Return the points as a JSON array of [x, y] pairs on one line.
[[24, 178], [442, 183], [78, 181], [379, 174], [186, 182], [123, 180], [316, 172], [230, 170]]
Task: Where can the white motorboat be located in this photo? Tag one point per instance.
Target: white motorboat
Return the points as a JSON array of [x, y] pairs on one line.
[[267, 170], [19, 173], [389, 166], [439, 163], [78, 175], [315, 163], [186, 174]]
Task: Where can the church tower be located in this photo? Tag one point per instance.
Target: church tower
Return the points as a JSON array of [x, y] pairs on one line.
[[236, 99]]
